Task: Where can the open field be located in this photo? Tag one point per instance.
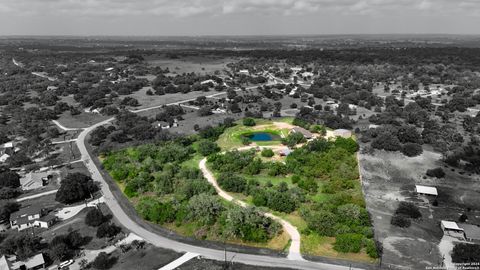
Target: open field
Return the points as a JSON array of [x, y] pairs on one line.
[[148, 258], [196, 64], [389, 178], [81, 120]]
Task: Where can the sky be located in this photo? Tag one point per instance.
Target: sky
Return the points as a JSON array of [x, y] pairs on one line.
[[238, 17]]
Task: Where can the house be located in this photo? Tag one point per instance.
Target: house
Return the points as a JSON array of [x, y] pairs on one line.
[[32, 216], [345, 133], [7, 148], [11, 263], [451, 228], [306, 134], [244, 71], [425, 190], [472, 232], [4, 158]]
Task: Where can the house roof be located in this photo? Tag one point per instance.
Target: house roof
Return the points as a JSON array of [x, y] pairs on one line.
[[4, 263], [450, 225], [426, 190], [48, 218], [303, 131], [35, 261], [27, 211], [7, 145], [4, 157]]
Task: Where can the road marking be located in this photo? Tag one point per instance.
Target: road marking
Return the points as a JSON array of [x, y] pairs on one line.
[[185, 258]]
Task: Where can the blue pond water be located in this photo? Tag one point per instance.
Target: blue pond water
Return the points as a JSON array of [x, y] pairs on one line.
[[261, 137]]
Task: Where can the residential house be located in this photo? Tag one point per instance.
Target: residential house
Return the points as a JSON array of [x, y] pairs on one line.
[[32, 216], [451, 228], [306, 134], [33, 263]]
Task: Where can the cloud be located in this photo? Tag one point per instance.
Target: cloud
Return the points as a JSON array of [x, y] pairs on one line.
[[187, 8]]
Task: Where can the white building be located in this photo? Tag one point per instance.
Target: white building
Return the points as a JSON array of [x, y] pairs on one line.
[[426, 190], [451, 228]]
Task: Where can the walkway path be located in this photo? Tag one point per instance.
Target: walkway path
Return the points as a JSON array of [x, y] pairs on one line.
[[185, 258], [294, 249], [37, 195]]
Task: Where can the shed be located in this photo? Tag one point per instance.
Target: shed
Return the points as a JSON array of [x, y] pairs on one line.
[[426, 190], [451, 228]]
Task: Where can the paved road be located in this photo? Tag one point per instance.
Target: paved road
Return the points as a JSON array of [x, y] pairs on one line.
[[163, 242]]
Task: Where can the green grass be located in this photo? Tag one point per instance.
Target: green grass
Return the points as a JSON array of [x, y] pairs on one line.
[[232, 137], [275, 180]]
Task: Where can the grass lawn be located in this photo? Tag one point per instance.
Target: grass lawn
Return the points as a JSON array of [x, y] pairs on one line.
[[148, 258], [232, 137], [314, 244], [81, 120]]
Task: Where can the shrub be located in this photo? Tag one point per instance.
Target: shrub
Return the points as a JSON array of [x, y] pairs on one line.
[[348, 242], [322, 222], [231, 182], [267, 152], [400, 221], [412, 149], [108, 230], [465, 253], [249, 122], [308, 184], [207, 147], [104, 261], [9, 179], [95, 218], [408, 209], [437, 172], [75, 187], [371, 248], [296, 178]]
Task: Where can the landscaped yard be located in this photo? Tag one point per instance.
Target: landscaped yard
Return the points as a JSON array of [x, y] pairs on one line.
[[316, 188]]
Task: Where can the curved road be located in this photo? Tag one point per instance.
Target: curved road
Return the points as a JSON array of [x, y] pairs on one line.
[[164, 242]]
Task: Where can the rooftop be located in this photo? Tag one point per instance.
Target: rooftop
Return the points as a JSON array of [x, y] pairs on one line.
[[303, 131], [450, 225], [426, 190], [27, 211]]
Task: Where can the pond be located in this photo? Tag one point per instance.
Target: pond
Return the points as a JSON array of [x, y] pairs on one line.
[[262, 137]]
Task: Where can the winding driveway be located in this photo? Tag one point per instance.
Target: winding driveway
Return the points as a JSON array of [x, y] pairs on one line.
[[294, 249]]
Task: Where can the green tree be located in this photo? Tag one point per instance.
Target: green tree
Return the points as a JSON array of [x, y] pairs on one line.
[[267, 152], [207, 147], [249, 122], [204, 208]]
